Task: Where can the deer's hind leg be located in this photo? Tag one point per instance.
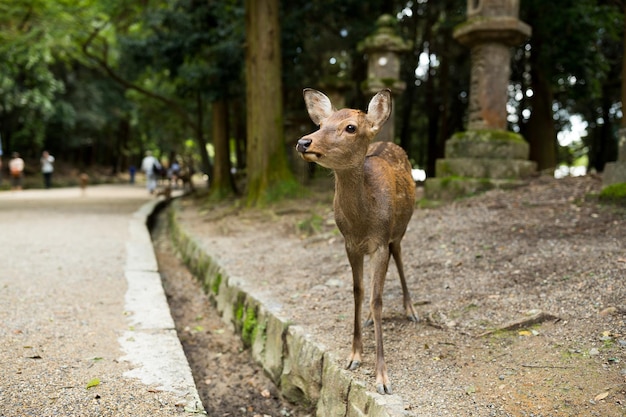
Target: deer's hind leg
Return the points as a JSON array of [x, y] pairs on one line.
[[396, 252], [380, 262]]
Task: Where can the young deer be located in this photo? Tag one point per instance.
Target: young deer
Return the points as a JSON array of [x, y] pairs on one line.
[[374, 200]]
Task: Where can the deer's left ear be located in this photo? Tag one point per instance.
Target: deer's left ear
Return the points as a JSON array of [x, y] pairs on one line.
[[379, 109], [317, 104]]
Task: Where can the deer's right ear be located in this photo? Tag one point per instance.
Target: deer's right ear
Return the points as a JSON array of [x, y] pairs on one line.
[[317, 104]]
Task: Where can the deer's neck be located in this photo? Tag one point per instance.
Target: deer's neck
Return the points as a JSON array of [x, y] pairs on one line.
[[350, 195]]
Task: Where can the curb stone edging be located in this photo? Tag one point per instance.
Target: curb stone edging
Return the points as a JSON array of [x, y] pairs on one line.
[[151, 344], [304, 371]]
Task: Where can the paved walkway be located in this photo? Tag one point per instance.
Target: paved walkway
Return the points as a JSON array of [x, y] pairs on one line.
[[85, 329]]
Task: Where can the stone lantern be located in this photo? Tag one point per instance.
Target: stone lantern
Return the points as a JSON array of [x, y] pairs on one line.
[[486, 155], [383, 49], [335, 81], [492, 28]]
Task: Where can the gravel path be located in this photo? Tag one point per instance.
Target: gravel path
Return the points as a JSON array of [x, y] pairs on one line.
[[75, 289]]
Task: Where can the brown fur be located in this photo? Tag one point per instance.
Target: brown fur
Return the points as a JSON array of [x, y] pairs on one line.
[[374, 201]]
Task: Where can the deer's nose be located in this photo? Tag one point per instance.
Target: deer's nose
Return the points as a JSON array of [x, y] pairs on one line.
[[303, 144]]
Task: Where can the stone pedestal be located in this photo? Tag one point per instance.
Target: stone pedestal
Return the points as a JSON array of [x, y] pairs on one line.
[[615, 172], [480, 160], [486, 155]]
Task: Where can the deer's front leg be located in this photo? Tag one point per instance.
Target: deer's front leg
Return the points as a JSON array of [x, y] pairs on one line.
[[380, 262], [356, 262]]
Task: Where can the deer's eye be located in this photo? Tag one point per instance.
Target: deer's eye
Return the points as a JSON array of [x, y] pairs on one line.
[[351, 128]]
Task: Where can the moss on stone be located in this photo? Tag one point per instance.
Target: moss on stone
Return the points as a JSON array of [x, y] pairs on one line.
[[249, 326], [215, 285], [489, 135], [238, 310], [614, 193]]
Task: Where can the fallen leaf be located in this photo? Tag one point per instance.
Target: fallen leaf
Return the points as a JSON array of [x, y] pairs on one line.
[[93, 383], [601, 396], [265, 393], [524, 333]]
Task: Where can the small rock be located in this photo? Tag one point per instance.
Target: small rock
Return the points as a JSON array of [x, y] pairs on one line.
[[334, 283], [609, 311], [594, 352]]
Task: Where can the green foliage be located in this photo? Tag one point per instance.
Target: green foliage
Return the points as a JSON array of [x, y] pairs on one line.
[[196, 45], [576, 47], [100, 81], [28, 86], [559, 25], [311, 225]]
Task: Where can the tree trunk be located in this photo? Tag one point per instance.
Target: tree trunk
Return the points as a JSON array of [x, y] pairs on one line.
[[603, 147], [239, 128], [540, 130], [200, 141], [433, 125], [623, 122], [268, 174], [222, 184]]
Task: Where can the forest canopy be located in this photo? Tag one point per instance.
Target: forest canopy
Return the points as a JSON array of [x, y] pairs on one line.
[[100, 82]]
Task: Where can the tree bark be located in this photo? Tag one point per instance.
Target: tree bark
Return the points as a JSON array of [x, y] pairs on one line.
[[200, 140], [623, 121], [268, 174], [222, 184], [540, 130]]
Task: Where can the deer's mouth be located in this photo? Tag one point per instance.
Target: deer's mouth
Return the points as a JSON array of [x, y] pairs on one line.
[[310, 156]]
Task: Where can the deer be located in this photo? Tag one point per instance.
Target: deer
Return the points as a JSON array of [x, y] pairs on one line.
[[373, 203]]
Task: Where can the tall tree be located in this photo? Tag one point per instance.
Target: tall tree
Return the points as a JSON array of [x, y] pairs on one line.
[[562, 76], [268, 174], [623, 72], [160, 42], [32, 41], [436, 73]]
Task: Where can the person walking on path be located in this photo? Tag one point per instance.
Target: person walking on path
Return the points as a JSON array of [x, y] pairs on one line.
[[47, 168], [152, 168], [16, 168]]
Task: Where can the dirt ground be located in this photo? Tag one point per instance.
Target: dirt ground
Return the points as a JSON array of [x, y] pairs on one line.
[[522, 298]]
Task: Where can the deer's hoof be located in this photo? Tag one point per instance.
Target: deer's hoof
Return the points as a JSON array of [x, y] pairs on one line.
[[353, 365], [368, 322], [413, 317], [383, 389]]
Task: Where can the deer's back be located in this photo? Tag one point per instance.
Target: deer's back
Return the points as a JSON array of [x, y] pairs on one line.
[[388, 177]]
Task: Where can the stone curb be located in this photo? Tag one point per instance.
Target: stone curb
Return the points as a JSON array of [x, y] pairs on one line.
[[304, 371], [151, 343]]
